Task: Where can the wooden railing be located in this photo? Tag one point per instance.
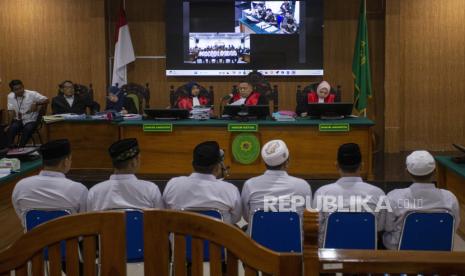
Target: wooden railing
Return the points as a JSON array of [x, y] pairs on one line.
[[159, 224], [109, 227], [318, 261]]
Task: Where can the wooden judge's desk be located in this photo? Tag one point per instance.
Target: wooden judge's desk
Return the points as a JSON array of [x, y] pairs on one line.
[[451, 176], [312, 144]]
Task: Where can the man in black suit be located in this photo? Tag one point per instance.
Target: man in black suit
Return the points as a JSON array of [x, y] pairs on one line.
[[68, 101]]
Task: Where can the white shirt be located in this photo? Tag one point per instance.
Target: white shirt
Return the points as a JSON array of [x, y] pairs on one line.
[[273, 184], [124, 191], [419, 196], [70, 100], [195, 101], [347, 189], [48, 190], [23, 105], [203, 191], [321, 100], [241, 101]]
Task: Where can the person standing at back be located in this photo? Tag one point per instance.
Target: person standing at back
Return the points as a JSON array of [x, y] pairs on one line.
[[124, 190], [50, 190], [202, 189]]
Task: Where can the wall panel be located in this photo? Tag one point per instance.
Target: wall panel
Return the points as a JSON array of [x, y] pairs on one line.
[[45, 42]]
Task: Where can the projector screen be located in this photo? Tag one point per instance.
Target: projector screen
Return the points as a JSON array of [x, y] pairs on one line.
[[232, 38]]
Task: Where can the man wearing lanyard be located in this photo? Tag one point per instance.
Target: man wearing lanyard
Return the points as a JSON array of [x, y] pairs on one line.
[[23, 106]]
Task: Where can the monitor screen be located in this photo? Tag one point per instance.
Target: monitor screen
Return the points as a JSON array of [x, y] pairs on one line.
[[232, 38]]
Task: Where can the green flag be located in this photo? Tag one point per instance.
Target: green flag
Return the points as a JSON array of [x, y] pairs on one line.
[[361, 63]]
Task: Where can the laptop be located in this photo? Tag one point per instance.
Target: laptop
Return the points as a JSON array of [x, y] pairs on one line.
[[329, 110], [247, 111], [167, 114]]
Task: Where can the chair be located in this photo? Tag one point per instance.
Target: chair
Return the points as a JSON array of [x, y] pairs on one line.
[[134, 235], [107, 227], [351, 230], [206, 252], [35, 217], [159, 224], [138, 94], [427, 231], [275, 97], [42, 111], [278, 231], [373, 262]]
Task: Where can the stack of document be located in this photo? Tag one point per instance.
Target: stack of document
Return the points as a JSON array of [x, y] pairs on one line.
[[129, 117], [53, 118], [70, 116], [200, 113], [284, 116]]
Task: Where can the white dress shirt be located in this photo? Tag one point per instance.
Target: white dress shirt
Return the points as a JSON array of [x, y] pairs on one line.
[[203, 191], [273, 183], [419, 196], [349, 188], [48, 190], [195, 101], [241, 101], [124, 191], [70, 100], [23, 105]]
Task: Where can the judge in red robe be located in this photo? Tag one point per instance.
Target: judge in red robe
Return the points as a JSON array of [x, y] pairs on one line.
[[192, 97], [322, 94], [247, 96]]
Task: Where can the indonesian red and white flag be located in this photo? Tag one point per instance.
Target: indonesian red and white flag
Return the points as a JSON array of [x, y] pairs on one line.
[[124, 52]]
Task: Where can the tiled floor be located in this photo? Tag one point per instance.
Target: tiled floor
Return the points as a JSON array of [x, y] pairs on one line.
[[459, 243]]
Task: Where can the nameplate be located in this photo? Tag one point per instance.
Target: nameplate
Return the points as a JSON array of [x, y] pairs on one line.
[[158, 127], [338, 127], [242, 127]]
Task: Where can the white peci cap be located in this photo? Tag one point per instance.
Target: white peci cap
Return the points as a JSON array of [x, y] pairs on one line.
[[275, 152], [420, 163]]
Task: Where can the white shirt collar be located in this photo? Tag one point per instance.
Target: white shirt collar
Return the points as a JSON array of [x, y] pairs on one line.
[[275, 172], [349, 181], [195, 101], [123, 177], [52, 174], [203, 176], [423, 186]]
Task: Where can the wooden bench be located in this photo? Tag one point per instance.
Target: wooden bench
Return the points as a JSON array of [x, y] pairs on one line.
[[318, 261], [108, 226], [158, 224]]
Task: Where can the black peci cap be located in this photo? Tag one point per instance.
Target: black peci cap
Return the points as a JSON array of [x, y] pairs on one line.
[[349, 155], [55, 149], [206, 154], [124, 150]]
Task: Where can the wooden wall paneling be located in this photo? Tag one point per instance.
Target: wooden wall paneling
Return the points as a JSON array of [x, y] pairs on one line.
[[434, 66], [45, 42], [393, 73]]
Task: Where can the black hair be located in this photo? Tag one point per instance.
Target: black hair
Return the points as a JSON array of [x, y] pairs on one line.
[[54, 162], [65, 81], [349, 168], [204, 169], [13, 83], [120, 165]]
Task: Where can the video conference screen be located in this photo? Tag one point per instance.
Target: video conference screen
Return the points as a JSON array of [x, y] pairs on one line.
[[232, 38]]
